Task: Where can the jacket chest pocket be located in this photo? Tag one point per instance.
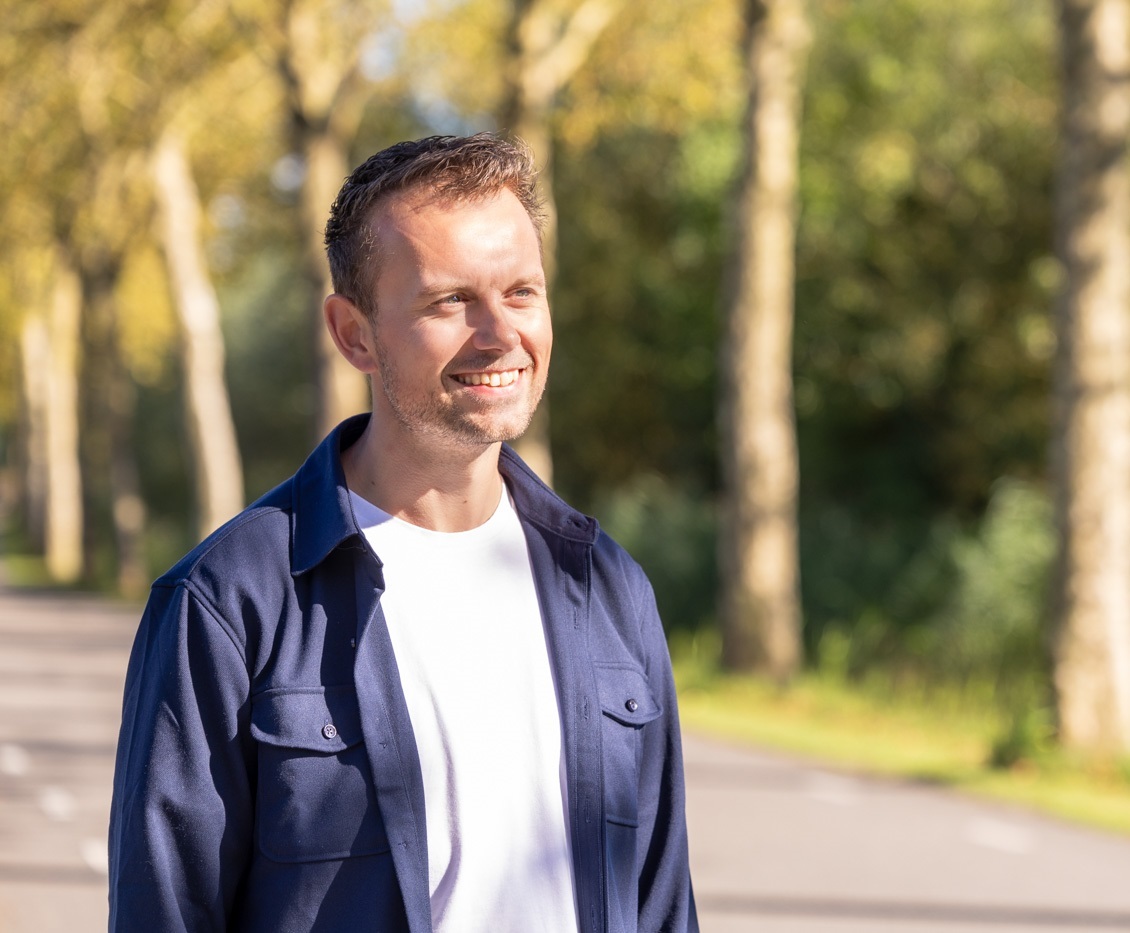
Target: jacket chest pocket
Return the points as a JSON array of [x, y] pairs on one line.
[[627, 705], [315, 796]]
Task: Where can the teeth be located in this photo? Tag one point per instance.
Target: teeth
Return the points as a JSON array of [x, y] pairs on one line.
[[509, 377]]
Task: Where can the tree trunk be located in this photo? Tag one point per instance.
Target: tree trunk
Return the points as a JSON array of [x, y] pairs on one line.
[[216, 461], [760, 601], [546, 49], [325, 96], [1092, 386], [534, 445], [110, 474], [64, 520], [50, 350], [341, 388], [128, 510], [35, 344]]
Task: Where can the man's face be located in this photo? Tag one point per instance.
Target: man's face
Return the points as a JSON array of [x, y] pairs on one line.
[[461, 330]]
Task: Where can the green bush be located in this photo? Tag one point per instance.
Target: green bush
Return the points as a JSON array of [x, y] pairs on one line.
[[993, 628], [958, 615], [963, 617], [671, 532]]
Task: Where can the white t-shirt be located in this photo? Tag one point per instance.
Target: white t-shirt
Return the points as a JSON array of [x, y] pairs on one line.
[[470, 646]]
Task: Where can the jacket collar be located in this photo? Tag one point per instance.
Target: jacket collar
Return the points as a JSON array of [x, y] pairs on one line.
[[322, 515], [537, 503]]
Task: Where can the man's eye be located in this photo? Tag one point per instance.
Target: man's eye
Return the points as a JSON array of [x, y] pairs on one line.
[[451, 300]]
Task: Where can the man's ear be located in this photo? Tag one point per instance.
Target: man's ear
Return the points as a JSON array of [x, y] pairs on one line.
[[351, 332]]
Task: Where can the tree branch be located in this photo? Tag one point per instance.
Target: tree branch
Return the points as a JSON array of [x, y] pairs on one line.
[[551, 63]]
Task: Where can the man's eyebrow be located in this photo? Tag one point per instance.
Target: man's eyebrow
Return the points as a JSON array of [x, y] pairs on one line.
[[440, 289]]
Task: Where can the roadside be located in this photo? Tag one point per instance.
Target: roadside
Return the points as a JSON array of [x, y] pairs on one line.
[[901, 736]]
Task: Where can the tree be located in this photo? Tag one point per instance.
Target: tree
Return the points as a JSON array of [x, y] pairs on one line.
[[760, 600], [546, 45], [103, 218], [50, 357], [211, 431], [1092, 381], [317, 57], [45, 297], [85, 126]]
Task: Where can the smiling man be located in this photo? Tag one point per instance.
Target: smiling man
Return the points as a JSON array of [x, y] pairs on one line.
[[410, 689]]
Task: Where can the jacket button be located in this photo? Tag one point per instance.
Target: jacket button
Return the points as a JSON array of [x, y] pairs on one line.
[[632, 706], [329, 730]]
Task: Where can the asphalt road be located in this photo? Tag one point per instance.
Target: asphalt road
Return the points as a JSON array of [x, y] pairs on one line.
[[778, 845]]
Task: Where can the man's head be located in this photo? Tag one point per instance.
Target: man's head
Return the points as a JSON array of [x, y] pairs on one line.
[[440, 168], [440, 293]]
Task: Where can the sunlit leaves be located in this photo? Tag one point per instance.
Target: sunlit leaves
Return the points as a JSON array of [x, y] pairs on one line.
[[146, 324], [663, 67], [926, 166]]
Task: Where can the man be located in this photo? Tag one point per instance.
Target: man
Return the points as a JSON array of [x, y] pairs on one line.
[[410, 688]]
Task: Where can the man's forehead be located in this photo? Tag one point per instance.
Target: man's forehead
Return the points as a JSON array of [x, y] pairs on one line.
[[391, 219]]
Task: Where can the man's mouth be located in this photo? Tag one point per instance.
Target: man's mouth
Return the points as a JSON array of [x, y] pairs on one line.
[[494, 380]]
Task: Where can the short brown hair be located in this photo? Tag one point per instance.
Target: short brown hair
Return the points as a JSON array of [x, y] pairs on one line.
[[452, 168]]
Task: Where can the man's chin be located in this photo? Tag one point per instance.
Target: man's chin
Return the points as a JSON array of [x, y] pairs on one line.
[[482, 433]]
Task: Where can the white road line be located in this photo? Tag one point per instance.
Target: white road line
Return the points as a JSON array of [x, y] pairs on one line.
[[832, 788], [1001, 836], [95, 856], [57, 803], [14, 760]]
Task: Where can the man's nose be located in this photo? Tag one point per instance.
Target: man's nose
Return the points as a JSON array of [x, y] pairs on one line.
[[494, 326]]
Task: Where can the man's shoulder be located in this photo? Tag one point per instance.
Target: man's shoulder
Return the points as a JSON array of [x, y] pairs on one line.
[[617, 572], [293, 526], [253, 543], [610, 553]]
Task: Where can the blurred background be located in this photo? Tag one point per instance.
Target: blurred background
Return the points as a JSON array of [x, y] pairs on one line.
[[842, 312]]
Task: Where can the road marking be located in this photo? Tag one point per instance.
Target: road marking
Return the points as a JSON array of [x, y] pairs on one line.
[[95, 856], [831, 788], [1001, 836], [14, 760], [58, 803]]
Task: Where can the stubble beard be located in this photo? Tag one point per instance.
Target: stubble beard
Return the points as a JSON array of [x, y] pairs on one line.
[[440, 419]]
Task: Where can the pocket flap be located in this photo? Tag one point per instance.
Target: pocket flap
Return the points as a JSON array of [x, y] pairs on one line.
[[625, 695], [317, 719]]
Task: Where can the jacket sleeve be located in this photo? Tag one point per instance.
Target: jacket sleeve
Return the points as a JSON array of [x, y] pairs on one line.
[[666, 899], [181, 817]]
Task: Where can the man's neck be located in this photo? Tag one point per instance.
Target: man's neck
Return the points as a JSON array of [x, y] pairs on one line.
[[455, 489]]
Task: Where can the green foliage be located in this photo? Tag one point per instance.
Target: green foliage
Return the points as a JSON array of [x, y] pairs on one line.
[[994, 624], [640, 258], [993, 631], [1027, 737], [869, 580], [964, 607], [268, 331], [923, 342], [671, 532], [923, 335], [963, 616]]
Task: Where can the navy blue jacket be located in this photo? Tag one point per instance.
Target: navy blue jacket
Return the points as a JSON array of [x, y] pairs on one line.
[[236, 807]]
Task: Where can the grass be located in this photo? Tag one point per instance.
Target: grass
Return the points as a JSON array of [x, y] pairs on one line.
[[24, 571], [872, 728]]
